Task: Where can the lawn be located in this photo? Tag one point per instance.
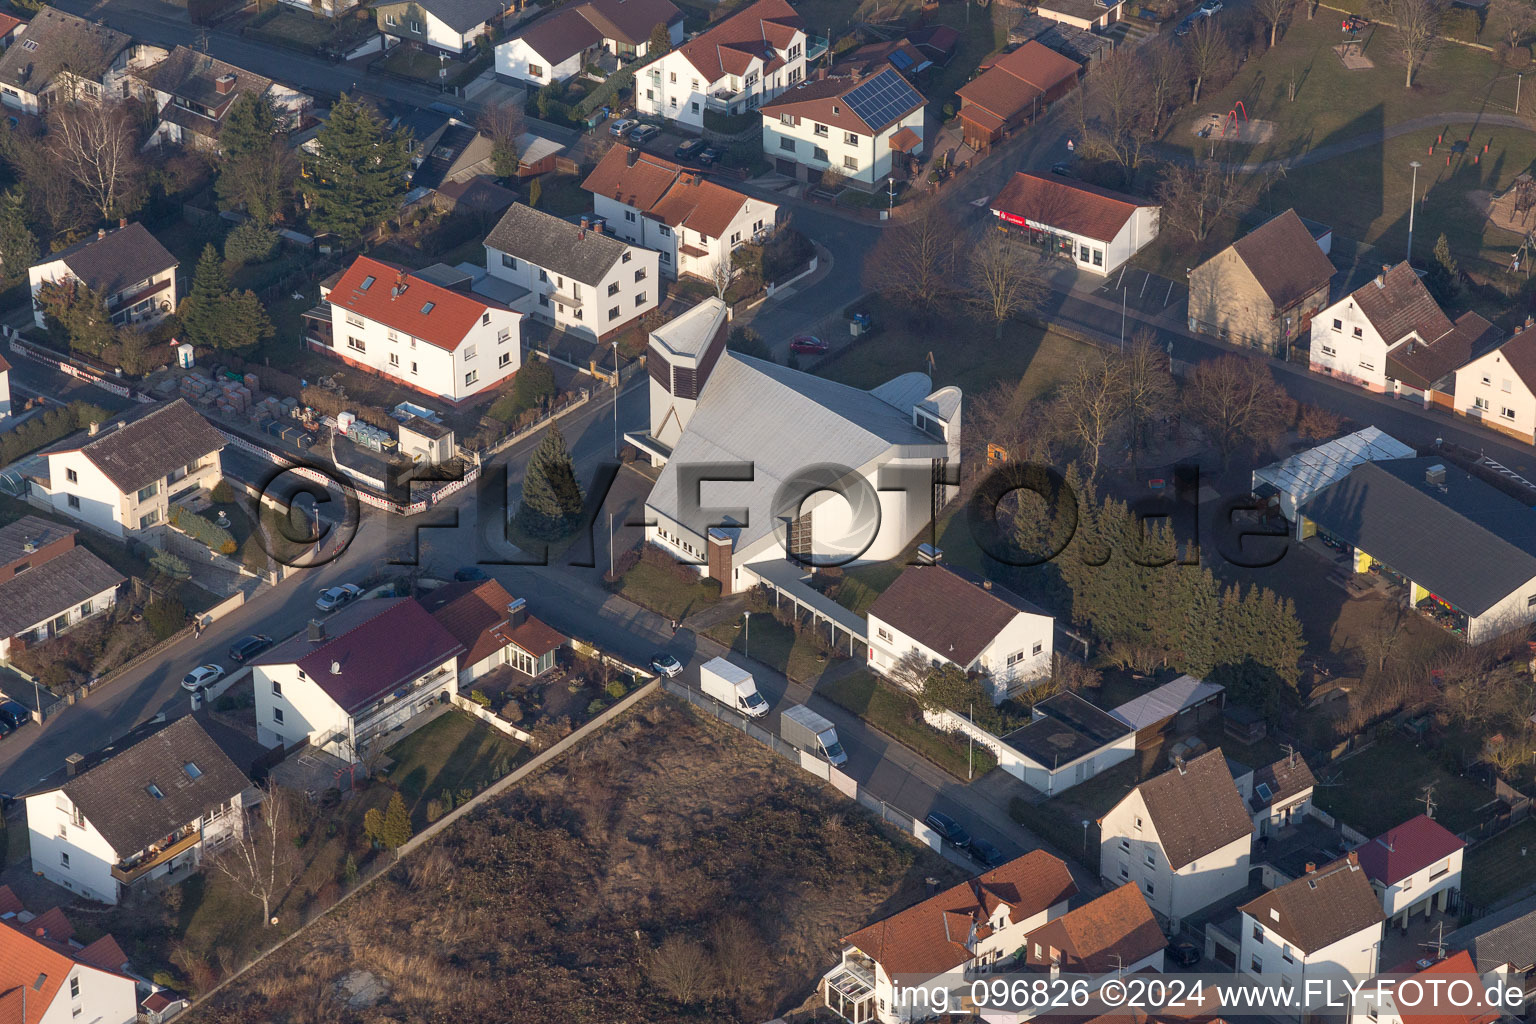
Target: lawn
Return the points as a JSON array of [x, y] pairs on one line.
[[1060, 820], [1501, 867], [965, 354], [560, 195], [898, 716], [404, 60], [665, 593], [1384, 785], [289, 28], [776, 645], [454, 752]]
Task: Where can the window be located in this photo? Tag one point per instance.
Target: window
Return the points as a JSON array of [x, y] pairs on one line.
[[469, 352], [1015, 658], [145, 493], [1138, 824], [820, 130], [1151, 859], [1367, 366], [74, 988], [1149, 887], [1258, 932], [504, 359], [1359, 332], [613, 289], [673, 77], [389, 19], [665, 231], [63, 860], [415, 25], [850, 138], [672, 102], [73, 500], [146, 521], [427, 307], [1487, 381], [277, 688], [509, 261], [1256, 965], [85, 609], [640, 275], [544, 300], [154, 791], [1371, 1011], [1480, 403], [1285, 954], [1083, 256], [354, 320], [72, 476], [883, 633], [1037, 648], [788, 119], [817, 153], [1329, 351], [535, 71], [624, 258], [1507, 412], [474, 375], [356, 344], [640, 299], [1098, 257], [504, 335], [1338, 325], [787, 145], [277, 715], [1530, 602], [794, 51], [850, 163], [650, 94], [735, 237], [1125, 872], [613, 314], [394, 360], [1506, 385], [666, 257], [192, 770], [1125, 845], [413, 368], [543, 276], [577, 311], [485, 319]]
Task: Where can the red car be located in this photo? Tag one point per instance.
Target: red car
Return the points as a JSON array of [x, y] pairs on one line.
[[805, 344]]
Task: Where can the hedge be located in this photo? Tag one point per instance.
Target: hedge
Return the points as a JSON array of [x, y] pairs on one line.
[[56, 423], [210, 533]]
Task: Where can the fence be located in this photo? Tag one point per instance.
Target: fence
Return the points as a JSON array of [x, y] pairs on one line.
[[37, 355], [489, 717], [533, 428]]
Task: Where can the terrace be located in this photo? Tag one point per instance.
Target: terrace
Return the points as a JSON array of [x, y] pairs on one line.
[[131, 871]]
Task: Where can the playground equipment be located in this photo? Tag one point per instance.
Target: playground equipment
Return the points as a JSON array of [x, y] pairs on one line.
[[1231, 122]]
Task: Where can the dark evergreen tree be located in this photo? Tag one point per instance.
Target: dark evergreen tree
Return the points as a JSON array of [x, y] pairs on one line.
[[76, 316], [551, 500], [660, 42], [213, 316], [360, 174], [255, 169], [18, 247], [1444, 277]]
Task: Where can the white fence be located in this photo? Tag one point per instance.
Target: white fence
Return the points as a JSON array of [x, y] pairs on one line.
[[1050, 780], [489, 717]]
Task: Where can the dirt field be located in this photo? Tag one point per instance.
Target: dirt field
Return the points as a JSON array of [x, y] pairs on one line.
[[557, 903]]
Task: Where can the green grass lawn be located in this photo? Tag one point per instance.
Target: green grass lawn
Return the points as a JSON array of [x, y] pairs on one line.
[[295, 29], [665, 593], [403, 60], [1384, 786], [1502, 866], [897, 715], [453, 752], [560, 195], [775, 644]]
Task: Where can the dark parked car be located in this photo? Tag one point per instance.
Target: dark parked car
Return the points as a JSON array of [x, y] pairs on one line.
[[689, 149], [469, 574], [5, 730], [1184, 953], [645, 133], [989, 855], [249, 647], [949, 828], [1064, 169], [709, 156], [14, 714]]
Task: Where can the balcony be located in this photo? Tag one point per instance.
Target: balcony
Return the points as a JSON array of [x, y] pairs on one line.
[[128, 874], [724, 100], [815, 46]]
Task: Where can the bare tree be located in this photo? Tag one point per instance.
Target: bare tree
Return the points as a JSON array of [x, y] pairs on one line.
[[911, 671], [724, 271], [1007, 276], [739, 957], [1118, 114], [1236, 403], [1167, 78], [1090, 405], [1273, 13], [260, 859], [1149, 389], [94, 145], [1210, 54], [504, 125], [914, 261], [1194, 198], [681, 968], [1417, 23], [1512, 20]]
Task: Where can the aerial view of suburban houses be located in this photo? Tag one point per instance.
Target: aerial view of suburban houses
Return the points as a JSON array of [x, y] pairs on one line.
[[767, 512]]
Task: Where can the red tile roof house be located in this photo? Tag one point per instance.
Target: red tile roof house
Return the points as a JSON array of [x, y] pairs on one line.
[[1096, 228], [1415, 868], [1436, 1003], [967, 929], [370, 667], [690, 221], [1114, 934], [49, 976], [1013, 92], [558, 46], [494, 629], [440, 341]]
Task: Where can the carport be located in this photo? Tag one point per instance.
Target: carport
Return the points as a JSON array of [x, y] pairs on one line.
[[788, 582]]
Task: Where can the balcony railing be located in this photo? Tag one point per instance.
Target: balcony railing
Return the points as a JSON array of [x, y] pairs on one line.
[[131, 874], [815, 46]]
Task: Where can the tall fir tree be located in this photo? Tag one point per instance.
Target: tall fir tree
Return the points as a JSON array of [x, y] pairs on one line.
[[550, 506], [203, 310], [359, 176], [18, 247]]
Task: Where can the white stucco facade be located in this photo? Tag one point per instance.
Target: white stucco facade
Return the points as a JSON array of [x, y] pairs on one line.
[[673, 88], [78, 489], [92, 996], [1490, 391], [142, 303], [1018, 655], [1346, 345], [52, 622], [863, 158], [683, 250], [1130, 851], [1427, 889], [1267, 956], [516, 59], [485, 356]]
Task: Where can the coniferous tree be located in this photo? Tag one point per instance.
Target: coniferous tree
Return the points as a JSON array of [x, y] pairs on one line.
[[255, 168], [660, 41], [551, 499], [77, 315], [214, 316], [18, 247], [359, 176]]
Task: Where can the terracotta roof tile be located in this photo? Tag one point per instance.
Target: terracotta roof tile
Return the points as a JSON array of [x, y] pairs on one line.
[[752, 31], [38, 957], [1114, 930], [1456, 967], [533, 635], [822, 100], [667, 191], [1412, 846], [630, 21], [1397, 304], [559, 36], [471, 612], [1196, 810], [1016, 81], [426, 311], [1074, 206]]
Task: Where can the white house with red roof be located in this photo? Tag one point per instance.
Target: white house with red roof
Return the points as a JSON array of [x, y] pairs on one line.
[[690, 221], [494, 628], [440, 341], [735, 66], [1415, 867], [1434, 1000], [368, 668], [47, 976], [964, 930], [1096, 228], [862, 128]]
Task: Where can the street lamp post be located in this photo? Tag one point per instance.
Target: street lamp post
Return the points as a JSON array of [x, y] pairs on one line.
[[615, 397], [890, 186], [746, 635], [1413, 200], [1085, 835], [1518, 77]]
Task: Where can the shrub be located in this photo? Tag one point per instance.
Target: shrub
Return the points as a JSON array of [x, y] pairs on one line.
[[52, 425], [168, 564], [250, 243], [164, 978], [435, 809], [615, 688], [595, 706], [57, 677], [203, 530], [479, 697], [164, 616], [222, 493]]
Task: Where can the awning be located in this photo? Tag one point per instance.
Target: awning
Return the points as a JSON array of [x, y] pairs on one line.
[[905, 141], [980, 117]]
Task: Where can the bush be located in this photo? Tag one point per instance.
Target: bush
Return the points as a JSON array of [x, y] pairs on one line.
[[250, 243], [168, 564], [204, 530], [222, 493], [615, 688], [595, 706], [435, 809], [479, 697], [57, 677], [165, 616], [625, 561], [52, 425]]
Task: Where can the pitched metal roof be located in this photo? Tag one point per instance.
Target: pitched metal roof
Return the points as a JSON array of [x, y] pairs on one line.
[[1285, 259], [375, 645], [116, 260], [1308, 472], [1165, 701], [1412, 846], [54, 41], [119, 795], [1468, 543], [1320, 908], [53, 587], [1196, 808], [556, 245], [947, 612], [1072, 206], [145, 444]]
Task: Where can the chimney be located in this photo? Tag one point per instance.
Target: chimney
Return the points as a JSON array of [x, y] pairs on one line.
[[933, 885], [1434, 476], [1311, 867], [585, 223], [93, 429], [1354, 858], [223, 84], [101, 233], [29, 545], [517, 613], [1529, 320], [72, 765], [630, 157], [986, 584], [1178, 763], [122, 222], [335, 668], [316, 631], [597, 227]]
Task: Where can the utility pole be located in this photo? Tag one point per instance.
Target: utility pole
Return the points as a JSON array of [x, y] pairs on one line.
[[746, 635], [1122, 318], [970, 734], [615, 397], [1413, 200]]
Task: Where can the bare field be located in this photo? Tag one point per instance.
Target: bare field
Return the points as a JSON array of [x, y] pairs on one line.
[[667, 870]]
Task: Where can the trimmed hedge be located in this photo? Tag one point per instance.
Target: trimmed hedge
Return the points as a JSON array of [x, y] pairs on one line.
[[205, 530]]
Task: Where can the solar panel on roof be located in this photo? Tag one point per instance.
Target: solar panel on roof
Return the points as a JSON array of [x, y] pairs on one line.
[[883, 99], [901, 61]]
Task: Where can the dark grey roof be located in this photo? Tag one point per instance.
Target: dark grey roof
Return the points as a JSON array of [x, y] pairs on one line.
[[14, 537], [1196, 808], [54, 41], [117, 260], [146, 444], [1320, 908], [426, 428], [1505, 937], [114, 795], [1066, 728], [459, 15], [1469, 543], [556, 245], [53, 587]]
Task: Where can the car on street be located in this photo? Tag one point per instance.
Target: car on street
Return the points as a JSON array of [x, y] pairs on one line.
[[1210, 7], [664, 664], [1184, 953], [1063, 168], [335, 597], [249, 647], [469, 574], [623, 126], [807, 344], [709, 156], [5, 730], [989, 855], [689, 149], [950, 829], [203, 675], [14, 714], [643, 134]]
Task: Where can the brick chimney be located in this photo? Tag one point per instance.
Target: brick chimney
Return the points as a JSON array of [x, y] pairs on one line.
[[517, 613], [1354, 858], [631, 156], [1311, 867], [597, 227], [224, 84]]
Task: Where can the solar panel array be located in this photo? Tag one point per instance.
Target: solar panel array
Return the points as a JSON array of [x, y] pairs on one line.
[[900, 60], [883, 99]]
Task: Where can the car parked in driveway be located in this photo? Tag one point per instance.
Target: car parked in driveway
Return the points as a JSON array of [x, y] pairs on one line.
[[950, 829], [709, 156], [643, 134], [14, 713], [689, 149], [806, 344], [333, 598], [203, 675], [622, 127], [664, 664], [1184, 953], [249, 647], [989, 855]]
